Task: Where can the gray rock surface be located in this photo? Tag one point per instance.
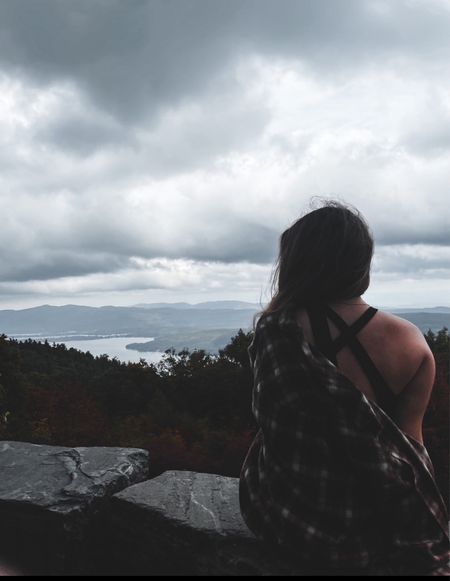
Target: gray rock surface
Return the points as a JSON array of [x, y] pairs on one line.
[[185, 523], [50, 497], [80, 511], [63, 480], [205, 502]]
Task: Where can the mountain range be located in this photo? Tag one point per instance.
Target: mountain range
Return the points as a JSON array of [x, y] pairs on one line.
[[207, 325]]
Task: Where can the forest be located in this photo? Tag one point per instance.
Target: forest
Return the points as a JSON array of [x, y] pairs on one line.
[[192, 410]]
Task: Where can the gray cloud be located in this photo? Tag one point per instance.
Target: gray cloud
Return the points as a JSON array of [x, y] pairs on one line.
[[178, 140], [430, 141], [415, 228], [417, 261], [82, 135], [48, 264], [131, 58], [135, 58], [197, 130], [94, 253]]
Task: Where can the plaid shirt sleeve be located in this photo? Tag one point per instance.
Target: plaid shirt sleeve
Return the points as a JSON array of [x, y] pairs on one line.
[[329, 474]]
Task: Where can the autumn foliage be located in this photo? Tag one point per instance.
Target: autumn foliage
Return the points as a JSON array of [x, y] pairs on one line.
[[192, 411]]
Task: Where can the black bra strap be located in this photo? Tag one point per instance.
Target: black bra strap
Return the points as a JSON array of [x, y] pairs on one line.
[[384, 395], [353, 329]]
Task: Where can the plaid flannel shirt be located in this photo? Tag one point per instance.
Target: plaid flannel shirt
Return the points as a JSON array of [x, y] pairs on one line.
[[329, 474]]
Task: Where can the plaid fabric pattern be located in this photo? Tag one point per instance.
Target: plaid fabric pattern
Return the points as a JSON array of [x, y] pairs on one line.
[[329, 474]]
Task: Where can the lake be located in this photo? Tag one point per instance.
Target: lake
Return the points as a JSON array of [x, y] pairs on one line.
[[112, 346]]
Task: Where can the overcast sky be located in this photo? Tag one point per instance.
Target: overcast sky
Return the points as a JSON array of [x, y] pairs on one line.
[[154, 150]]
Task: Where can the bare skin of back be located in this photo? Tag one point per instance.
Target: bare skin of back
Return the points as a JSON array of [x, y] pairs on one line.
[[399, 351]]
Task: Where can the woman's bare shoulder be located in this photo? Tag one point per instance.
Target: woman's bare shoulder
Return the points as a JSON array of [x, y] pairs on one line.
[[406, 344], [416, 363], [402, 330]]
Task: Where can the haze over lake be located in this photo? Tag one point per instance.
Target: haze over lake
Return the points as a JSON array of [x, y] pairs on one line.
[[116, 347], [112, 346], [150, 329]]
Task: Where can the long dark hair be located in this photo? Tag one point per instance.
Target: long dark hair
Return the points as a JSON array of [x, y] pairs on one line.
[[324, 256]]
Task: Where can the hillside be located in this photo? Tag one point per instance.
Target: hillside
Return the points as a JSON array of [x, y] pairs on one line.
[[207, 325], [49, 321], [210, 340], [192, 410]]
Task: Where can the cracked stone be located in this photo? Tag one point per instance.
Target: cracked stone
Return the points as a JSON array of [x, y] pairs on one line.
[[186, 523], [50, 496]]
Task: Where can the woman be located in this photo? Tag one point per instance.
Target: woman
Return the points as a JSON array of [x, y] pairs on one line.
[[338, 471]]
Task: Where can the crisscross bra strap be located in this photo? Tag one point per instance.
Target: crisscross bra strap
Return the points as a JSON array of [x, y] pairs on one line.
[[318, 318]]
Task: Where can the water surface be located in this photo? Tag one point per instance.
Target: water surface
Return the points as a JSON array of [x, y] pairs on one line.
[[112, 346]]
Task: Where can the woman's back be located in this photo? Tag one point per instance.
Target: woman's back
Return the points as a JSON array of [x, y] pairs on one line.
[[329, 475], [399, 353]]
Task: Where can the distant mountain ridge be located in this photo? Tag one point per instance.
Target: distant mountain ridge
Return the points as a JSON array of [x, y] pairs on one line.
[[204, 305], [203, 325], [145, 321], [417, 310]]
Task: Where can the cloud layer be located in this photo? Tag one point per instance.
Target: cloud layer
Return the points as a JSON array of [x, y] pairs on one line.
[[157, 149]]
